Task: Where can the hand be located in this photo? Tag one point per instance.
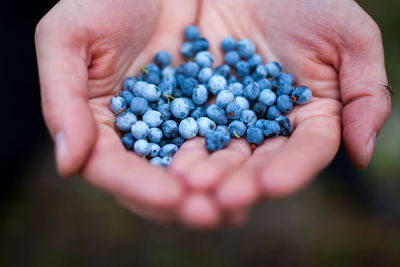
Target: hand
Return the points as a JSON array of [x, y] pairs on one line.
[[86, 48]]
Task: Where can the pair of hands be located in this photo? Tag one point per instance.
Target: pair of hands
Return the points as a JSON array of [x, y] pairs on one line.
[[85, 48]]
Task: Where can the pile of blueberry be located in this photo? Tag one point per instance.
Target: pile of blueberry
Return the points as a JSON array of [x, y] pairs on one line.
[[163, 107]]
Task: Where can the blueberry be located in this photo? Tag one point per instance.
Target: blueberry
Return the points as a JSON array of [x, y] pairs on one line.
[[236, 88], [254, 135], [165, 110], [274, 69], [139, 106], [190, 69], [252, 91], [168, 150], [128, 141], [260, 72], [231, 58], [243, 102], [140, 130], [139, 87], [152, 118], [234, 110], [152, 67], [286, 78], [163, 58], [284, 89], [141, 147], [125, 120], [178, 141], [168, 71], [166, 161], [155, 135], [245, 48], [204, 59], [170, 80], [153, 78], [198, 112], [228, 44], [248, 117], [205, 125], [217, 83], [285, 125], [223, 70], [129, 83], [204, 75], [188, 86], [237, 128], [242, 68], [215, 140], [127, 96], [231, 79], [259, 123], [224, 98], [151, 92], [117, 104], [273, 112], [260, 109], [270, 128], [200, 45], [217, 114], [192, 33], [190, 103], [267, 97], [301, 95], [187, 50], [254, 61], [200, 94], [180, 108], [170, 128], [246, 80], [284, 103], [154, 150], [188, 128], [156, 161], [264, 84]]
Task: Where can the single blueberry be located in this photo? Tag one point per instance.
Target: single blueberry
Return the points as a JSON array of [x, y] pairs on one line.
[[125, 120], [139, 106], [187, 50], [156, 161], [139, 87], [231, 58], [154, 150], [151, 92], [170, 128], [165, 110], [224, 98], [168, 150], [155, 135], [234, 110], [242, 68], [129, 83], [236, 88], [248, 117], [180, 108], [215, 140], [200, 44], [204, 59], [254, 135], [285, 125], [260, 72], [284, 103], [188, 86], [284, 89], [178, 141], [254, 60], [274, 69], [301, 95], [237, 128], [153, 78], [205, 125], [217, 83], [190, 69], [141, 147], [198, 112], [188, 128], [140, 130], [246, 80], [228, 44], [192, 33], [128, 141], [200, 94], [204, 75], [260, 109], [273, 112], [243, 102], [223, 70], [264, 84], [117, 104], [267, 97], [217, 114], [152, 118], [270, 128], [127, 96], [163, 58], [166, 161], [167, 71], [245, 48], [252, 91]]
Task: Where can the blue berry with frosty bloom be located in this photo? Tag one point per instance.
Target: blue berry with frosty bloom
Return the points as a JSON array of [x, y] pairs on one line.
[[270, 128], [178, 141], [215, 141], [187, 50], [188, 86], [198, 112], [152, 118], [204, 75], [254, 60], [204, 59], [166, 161], [151, 92], [245, 48], [246, 80], [165, 110], [163, 58], [224, 98], [264, 84], [139, 106], [285, 125], [139, 87], [117, 104], [200, 94], [217, 83], [234, 110], [285, 79], [129, 83], [252, 91], [273, 112], [127, 96], [155, 135], [267, 97], [274, 69], [254, 135], [156, 161], [284, 89], [180, 108], [200, 44], [125, 120], [284, 103], [248, 117], [168, 150], [237, 128], [154, 150], [141, 147], [190, 69], [260, 109], [168, 71], [301, 95], [192, 33], [236, 88], [217, 114], [242, 68], [188, 128], [140, 130], [231, 58], [205, 126], [223, 70], [228, 44], [170, 128], [260, 72], [242, 102], [128, 141]]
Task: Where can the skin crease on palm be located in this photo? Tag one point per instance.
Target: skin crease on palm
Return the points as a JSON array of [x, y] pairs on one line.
[[85, 49]]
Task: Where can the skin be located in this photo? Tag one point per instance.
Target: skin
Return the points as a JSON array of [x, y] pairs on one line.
[[85, 48]]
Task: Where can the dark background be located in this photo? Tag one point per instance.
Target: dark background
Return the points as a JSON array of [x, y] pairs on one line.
[[345, 218]]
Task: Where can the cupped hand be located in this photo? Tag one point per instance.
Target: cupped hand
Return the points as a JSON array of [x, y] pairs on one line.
[[86, 48]]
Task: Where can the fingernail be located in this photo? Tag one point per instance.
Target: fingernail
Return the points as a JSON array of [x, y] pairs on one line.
[[371, 144], [61, 147]]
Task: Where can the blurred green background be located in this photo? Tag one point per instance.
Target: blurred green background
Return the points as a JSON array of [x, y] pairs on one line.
[[345, 218]]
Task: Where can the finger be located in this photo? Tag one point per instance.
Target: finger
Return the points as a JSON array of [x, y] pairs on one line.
[[128, 176], [189, 154], [208, 173], [362, 76], [63, 81], [199, 211]]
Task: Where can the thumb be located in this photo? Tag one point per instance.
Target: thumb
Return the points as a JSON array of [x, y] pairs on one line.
[[365, 98], [63, 80]]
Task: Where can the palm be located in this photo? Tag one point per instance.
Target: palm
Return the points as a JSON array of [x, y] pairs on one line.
[[226, 182]]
